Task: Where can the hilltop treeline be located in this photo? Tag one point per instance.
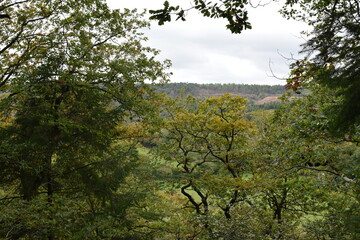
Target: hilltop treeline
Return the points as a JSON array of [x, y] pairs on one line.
[[254, 93], [251, 91]]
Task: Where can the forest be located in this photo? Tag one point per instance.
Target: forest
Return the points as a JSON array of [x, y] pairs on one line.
[[97, 144], [259, 96], [252, 92]]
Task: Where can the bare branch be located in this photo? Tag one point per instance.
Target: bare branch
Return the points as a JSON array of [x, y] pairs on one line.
[[272, 72], [346, 179], [191, 199], [12, 4], [12, 42]]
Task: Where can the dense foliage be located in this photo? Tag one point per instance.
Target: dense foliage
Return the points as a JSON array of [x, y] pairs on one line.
[[72, 75], [90, 150], [262, 174], [333, 53]]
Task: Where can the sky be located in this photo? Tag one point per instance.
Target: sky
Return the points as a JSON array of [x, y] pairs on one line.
[[202, 50]]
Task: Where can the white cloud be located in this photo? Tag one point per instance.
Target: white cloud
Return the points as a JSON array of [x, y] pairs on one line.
[[204, 51]]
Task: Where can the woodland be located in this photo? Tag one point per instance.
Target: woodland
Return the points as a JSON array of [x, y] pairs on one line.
[[264, 97], [92, 148]]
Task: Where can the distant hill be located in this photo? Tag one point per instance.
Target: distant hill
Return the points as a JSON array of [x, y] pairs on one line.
[[266, 95], [252, 92]]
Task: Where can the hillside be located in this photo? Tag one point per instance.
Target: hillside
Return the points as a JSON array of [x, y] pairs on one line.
[[257, 94]]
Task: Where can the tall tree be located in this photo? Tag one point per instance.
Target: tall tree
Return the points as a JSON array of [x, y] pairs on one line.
[[209, 142], [319, 169], [72, 75], [333, 54]]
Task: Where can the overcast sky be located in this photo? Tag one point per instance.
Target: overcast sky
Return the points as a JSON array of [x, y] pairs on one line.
[[202, 50]]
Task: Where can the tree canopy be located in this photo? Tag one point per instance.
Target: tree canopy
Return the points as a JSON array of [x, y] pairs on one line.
[[333, 53], [90, 150], [73, 73]]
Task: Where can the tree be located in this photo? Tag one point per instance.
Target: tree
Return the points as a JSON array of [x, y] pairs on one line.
[[73, 79], [209, 142], [332, 54], [318, 169]]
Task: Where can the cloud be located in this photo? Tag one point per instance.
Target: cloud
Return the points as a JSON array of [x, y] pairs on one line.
[[204, 51]]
